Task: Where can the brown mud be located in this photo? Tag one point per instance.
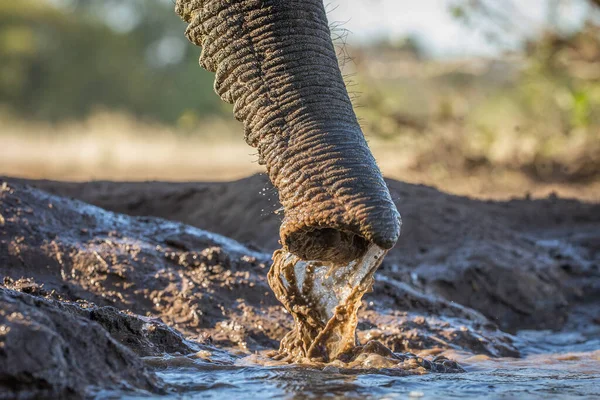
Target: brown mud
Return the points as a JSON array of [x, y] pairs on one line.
[[464, 273], [54, 349], [324, 300]]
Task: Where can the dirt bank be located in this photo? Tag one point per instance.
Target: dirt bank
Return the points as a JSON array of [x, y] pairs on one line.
[[462, 267], [522, 263], [54, 349]]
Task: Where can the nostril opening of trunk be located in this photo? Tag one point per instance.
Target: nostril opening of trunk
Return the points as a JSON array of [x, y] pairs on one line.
[[326, 244]]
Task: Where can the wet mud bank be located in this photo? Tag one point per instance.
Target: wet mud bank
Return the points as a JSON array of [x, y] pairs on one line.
[[137, 285], [53, 349]]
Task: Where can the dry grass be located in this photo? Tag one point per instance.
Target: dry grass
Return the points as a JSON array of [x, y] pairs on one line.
[[115, 147]]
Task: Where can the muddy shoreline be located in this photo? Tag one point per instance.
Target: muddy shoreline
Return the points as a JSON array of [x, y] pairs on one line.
[[464, 276]]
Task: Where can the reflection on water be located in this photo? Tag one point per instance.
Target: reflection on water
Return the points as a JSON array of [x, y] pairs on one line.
[[557, 365], [507, 379]]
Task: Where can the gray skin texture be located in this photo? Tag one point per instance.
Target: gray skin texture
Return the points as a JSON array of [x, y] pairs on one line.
[[275, 62]]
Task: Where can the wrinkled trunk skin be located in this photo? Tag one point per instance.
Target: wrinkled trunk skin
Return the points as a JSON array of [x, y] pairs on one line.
[[274, 60]]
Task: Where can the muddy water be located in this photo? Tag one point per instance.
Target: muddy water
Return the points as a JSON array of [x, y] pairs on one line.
[[556, 365], [322, 357]]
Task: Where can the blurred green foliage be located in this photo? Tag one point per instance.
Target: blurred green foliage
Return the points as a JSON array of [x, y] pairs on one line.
[[555, 103], [62, 62], [537, 111]]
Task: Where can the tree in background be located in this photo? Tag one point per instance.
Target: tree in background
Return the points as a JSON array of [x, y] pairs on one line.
[[558, 92], [63, 60]]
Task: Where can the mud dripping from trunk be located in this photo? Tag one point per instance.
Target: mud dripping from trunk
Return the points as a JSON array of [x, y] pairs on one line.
[[324, 300]]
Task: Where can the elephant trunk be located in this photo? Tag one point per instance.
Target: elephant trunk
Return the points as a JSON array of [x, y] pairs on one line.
[[275, 61]]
